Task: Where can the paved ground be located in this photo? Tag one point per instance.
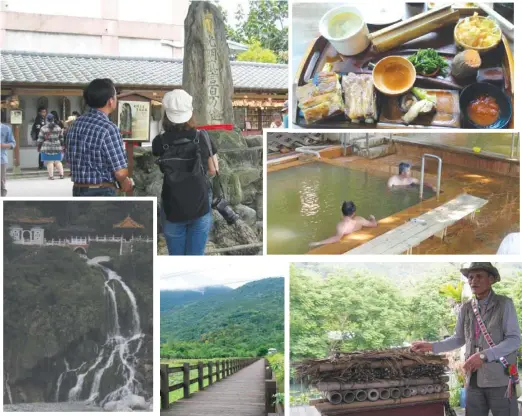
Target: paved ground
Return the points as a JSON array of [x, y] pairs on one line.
[[39, 187], [242, 394]]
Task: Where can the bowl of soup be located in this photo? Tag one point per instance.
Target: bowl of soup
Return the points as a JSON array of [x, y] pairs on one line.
[[485, 106], [394, 75], [345, 29]]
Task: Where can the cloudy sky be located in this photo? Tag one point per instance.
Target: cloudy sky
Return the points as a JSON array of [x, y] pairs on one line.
[[175, 276]]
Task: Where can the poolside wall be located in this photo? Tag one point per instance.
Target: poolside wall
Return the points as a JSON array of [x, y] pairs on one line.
[[460, 157]]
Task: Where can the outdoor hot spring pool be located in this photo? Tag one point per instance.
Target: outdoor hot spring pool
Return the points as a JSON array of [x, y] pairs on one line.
[[304, 203]]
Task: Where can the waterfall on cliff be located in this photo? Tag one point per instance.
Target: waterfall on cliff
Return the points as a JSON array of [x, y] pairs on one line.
[[110, 380], [8, 388]]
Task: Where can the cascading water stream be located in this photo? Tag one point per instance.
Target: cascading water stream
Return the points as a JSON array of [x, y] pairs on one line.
[[118, 353], [62, 376], [8, 388]]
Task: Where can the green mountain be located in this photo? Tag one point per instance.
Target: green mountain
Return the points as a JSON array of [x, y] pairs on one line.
[[172, 298], [239, 323]]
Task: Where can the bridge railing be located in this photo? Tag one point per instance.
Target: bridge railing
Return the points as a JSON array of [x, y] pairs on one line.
[[271, 405], [87, 240], [58, 242], [217, 370]]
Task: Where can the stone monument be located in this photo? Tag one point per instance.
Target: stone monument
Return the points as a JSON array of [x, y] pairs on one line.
[[206, 65]]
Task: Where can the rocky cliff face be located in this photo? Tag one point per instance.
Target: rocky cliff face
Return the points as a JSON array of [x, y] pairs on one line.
[[58, 319], [241, 174]]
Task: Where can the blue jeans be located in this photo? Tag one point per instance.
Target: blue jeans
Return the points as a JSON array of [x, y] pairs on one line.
[[77, 191], [187, 238]]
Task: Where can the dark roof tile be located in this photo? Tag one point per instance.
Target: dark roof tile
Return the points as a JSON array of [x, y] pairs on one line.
[[32, 67]]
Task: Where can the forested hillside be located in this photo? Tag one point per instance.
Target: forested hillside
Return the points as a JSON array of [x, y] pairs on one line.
[[238, 323], [171, 298]]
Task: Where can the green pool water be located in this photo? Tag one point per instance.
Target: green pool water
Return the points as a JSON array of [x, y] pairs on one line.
[[304, 203]]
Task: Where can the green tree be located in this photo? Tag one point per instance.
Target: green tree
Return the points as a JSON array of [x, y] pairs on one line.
[[262, 351], [347, 311], [256, 53], [432, 318], [264, 23], [454, 294]]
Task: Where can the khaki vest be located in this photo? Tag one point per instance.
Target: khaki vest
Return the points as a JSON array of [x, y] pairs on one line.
[[490, 374]]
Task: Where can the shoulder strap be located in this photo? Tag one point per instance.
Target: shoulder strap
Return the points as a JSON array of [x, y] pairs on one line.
[[209, 145]]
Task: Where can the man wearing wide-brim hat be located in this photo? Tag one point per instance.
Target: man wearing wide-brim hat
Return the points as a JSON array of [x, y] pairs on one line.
[[489, 358]]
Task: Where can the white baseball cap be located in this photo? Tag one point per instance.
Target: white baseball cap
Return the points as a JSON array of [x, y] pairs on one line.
[[178, 106]]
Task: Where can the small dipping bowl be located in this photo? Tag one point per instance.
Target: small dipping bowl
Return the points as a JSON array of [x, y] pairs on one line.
[[473, 91], [394, 75], [355, 41]]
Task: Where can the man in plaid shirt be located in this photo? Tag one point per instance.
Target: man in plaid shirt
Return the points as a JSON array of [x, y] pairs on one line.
[[95, 147]]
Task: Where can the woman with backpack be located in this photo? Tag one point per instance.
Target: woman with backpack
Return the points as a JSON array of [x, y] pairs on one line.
[[187, 158], [50, 145]]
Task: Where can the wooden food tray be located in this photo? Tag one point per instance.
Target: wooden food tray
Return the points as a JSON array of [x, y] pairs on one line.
[[446, 115], [321, 52]]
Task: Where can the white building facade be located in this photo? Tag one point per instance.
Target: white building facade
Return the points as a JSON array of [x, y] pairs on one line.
[[152, 28]]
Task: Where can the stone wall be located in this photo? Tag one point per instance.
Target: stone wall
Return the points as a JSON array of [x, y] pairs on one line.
[[241, 174]]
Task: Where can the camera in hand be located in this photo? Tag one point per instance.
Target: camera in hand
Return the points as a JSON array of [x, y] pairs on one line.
[[226, 211]]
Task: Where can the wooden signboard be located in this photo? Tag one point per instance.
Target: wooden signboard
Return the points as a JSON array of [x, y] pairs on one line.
[[16, 117], [133, 120]]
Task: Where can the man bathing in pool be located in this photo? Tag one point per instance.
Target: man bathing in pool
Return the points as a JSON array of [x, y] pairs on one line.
[[404, 178], [349, 224]]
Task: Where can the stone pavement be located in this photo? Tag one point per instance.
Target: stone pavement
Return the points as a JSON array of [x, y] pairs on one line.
[[39, 187]]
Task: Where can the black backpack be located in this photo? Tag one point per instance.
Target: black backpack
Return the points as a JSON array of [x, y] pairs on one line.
[[185, 192]]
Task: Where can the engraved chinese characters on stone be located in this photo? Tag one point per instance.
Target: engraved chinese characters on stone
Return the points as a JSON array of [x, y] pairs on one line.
[[215, 92]]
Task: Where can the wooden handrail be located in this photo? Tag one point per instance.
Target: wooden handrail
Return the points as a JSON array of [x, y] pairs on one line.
[[217, 370], [270, 388]]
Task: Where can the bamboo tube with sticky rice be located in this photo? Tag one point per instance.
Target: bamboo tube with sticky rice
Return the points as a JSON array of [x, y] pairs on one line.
[[395, 393], [325, 406], [373, 395], [335, 385], [414, 391], [384, 394], [430, 389], [421, 390], [361, 395], [405, 392], [334, 397], [396, 35], [348, 396]]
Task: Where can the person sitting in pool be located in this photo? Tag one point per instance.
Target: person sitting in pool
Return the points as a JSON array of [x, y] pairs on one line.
[[349, 224], [404, 178]]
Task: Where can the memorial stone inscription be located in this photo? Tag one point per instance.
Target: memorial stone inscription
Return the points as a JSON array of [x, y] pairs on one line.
[[207, 74]]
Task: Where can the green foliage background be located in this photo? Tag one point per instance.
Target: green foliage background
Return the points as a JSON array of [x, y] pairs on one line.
[[242, 323], [264, 24], [373, 310]]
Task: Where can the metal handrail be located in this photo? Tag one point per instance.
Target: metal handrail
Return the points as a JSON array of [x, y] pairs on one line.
[[439, 173]]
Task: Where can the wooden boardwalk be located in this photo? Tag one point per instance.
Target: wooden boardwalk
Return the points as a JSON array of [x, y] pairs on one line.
[[241, 394]]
